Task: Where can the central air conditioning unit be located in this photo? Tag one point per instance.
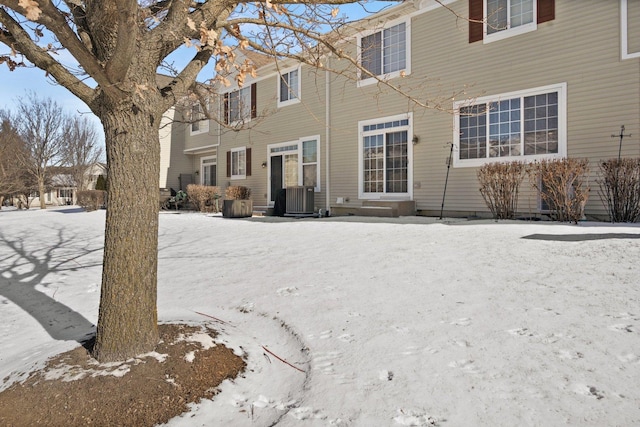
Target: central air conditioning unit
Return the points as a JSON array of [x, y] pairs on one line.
[[300, 200]]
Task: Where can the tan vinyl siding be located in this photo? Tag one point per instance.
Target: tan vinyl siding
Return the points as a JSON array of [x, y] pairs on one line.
[[277, 125], [579, 48], [173, 161], [603, 92]]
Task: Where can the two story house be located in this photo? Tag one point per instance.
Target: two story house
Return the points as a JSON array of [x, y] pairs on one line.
[[492, 81]]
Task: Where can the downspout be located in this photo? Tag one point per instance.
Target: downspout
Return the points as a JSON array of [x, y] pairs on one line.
[[218, 150], [327, 137]]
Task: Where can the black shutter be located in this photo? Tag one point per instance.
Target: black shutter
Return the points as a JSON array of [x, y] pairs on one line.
[[228, 163], [476, 17], [226, 109], [248, 162], [546, 10], [254, 97]]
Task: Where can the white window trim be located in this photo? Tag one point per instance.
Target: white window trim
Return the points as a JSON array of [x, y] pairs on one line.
[[298, 96], [238, 150], [203, 124], [624, 32], [561, 88], [202, 165], [400, 73], [389, 196], [510, 32]]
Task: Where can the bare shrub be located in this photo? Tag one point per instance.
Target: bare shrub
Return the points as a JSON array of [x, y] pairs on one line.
[[90, 200], [563, 186], [499, 186], [620, 189], [204, 197], [237, 192]]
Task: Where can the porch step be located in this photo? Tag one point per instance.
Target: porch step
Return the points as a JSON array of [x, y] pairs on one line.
[[399, 207], [381, 211], [262, 211]]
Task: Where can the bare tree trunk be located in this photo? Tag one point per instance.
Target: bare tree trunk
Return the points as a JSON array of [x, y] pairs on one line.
[[127, 321], [41, 189]]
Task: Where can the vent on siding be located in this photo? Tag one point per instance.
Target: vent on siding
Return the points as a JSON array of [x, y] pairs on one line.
[[300, 200]]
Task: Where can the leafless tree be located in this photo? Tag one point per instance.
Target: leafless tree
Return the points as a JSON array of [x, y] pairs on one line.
[[41, 124], [121, 46], [82, 150], [11, 147]]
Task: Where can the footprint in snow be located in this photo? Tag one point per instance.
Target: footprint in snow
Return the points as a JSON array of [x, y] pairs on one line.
[[306, 413], [385, 375], [622, 327], [464, 321], [325, 335], [570, 355], [412, 349], [466, 365], [588, 390], [290, 290], [629, 358], [414, 418], [520, 332], [348, 338]]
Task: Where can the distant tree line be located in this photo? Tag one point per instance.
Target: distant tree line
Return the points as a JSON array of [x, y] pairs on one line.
[[39, 140]]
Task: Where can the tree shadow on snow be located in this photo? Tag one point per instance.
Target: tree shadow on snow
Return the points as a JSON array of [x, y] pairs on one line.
[[581, 237], [22, 270]]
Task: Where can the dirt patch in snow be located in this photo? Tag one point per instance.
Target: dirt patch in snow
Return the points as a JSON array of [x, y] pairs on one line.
[[73, 389]]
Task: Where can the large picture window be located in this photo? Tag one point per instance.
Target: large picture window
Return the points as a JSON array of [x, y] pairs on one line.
[[514, 126], [385, 53], [384, 157]]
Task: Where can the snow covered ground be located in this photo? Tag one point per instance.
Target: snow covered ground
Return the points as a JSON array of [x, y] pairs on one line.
[[411, 321]]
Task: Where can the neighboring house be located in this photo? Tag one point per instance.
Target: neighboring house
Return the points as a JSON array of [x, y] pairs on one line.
[[62, 188], [525, 80], [92, 173]]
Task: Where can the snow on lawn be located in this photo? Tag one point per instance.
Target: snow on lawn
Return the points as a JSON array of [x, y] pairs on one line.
[[411, 321]]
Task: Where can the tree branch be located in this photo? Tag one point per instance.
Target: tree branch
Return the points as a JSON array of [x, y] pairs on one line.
[[120, 60], [23, 42]]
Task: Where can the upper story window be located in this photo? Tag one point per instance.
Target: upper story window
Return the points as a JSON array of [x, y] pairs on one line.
[[240, 105], [289, 87], [525, 125], [199, 122], [491, 20], [385, 53], [506, 15]]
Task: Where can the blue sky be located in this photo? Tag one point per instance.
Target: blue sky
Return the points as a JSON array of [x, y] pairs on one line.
[[15, 84]]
